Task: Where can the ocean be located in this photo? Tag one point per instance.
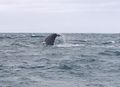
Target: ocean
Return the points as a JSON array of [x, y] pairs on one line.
[[76, 60]]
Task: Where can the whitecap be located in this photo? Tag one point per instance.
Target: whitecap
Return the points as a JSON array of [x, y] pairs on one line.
[[69, 45]]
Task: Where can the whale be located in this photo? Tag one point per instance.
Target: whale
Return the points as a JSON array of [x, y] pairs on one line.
[[49, 40]]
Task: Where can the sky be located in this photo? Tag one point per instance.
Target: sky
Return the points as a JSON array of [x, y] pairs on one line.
[[60, 16]]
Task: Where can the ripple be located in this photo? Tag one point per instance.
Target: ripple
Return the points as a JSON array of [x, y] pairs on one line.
[[109, 42], [19, 44], [30, 67], [65, 67], [110, 53]]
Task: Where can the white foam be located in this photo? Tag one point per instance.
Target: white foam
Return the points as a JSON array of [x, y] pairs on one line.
[[69, 45], [112, 41]]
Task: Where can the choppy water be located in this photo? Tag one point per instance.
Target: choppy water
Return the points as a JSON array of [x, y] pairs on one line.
[[82, 60]]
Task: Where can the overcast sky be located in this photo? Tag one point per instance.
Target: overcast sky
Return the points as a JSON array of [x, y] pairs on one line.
[[68, 16]]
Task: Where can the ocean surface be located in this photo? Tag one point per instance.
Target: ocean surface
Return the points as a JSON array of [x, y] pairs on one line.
[[76, 60]]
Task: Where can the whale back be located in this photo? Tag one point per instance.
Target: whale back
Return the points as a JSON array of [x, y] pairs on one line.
[[50, 39]]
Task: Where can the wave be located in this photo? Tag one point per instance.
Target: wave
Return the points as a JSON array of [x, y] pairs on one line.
[[30, 67], [79, 40], [69, 45], [105, 46], [108, 42], [35, 36], [78, 67], [110, 53], [7, 37], [76, 63], [19, 44]]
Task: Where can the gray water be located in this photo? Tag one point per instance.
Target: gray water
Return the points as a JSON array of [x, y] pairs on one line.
[[76, 60]]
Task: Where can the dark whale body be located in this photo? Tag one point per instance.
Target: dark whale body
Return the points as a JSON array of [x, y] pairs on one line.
[[51, 39]]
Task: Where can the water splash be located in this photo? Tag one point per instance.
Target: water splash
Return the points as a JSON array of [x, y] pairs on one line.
[[63, 38], [64, 42]]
